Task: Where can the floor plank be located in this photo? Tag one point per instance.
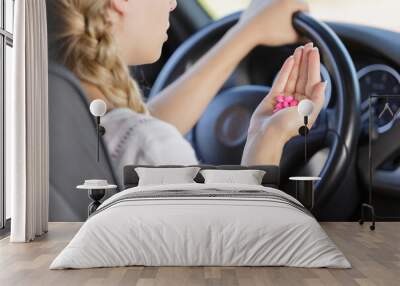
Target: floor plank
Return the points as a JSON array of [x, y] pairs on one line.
[[375, 257]]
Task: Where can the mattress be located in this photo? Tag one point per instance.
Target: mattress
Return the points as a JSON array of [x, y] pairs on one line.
[[201, 225]]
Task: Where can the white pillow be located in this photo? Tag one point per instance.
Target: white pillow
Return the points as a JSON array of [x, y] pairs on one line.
[[248, 177], [162, 176]]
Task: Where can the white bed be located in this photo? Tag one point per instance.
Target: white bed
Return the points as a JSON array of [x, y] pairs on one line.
[[144, 226]]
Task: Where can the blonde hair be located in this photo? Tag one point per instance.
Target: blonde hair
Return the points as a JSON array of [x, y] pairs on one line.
[[87, 48]]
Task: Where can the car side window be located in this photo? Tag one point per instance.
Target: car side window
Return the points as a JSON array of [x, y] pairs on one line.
[[369, 13]]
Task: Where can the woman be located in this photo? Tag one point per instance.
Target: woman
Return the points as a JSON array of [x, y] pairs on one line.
[[100, 38]]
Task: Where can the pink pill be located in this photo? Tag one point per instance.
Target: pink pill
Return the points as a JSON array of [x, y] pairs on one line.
[[280, 98], [279, 105], [289, 98], [294, 103], [286, 104]]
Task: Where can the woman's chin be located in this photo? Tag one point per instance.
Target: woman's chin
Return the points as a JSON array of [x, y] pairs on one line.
[[147, 58], [154, 58]]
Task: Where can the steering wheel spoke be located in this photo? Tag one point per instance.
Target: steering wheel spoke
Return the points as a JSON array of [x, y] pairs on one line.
[[386, 170], [296, 150]]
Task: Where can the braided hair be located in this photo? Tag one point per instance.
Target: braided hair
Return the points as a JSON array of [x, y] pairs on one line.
[[87, 47]]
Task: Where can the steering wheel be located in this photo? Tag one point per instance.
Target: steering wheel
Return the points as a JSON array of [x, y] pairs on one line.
[[220, 134]]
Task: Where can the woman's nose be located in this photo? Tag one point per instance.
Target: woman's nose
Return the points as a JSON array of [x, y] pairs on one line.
[[173, 5]]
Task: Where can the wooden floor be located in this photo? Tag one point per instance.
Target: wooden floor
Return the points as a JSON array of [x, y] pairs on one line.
[[375, 257]]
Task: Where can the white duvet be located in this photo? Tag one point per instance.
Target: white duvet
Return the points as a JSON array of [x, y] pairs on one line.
[[200, 231]]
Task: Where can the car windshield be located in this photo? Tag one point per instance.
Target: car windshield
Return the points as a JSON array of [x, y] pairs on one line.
[[376, 13]]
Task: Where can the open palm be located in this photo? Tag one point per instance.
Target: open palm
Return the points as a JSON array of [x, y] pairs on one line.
[[299, 77]]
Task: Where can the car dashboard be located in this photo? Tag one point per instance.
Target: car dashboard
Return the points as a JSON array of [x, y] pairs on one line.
[[376, 57]]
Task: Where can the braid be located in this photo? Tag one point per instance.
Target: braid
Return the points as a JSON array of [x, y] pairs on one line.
[[87, 47]]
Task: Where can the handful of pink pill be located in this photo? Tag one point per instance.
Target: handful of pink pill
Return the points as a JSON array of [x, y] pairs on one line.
[[284, 101]]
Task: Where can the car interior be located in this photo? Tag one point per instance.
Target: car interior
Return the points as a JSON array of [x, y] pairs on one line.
[[370, 56], [375, 54]]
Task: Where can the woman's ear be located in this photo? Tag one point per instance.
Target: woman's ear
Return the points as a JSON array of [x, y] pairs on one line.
[[119, 6]]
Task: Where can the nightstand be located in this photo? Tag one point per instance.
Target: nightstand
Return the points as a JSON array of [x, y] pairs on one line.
[[305, 190], [96, 191]]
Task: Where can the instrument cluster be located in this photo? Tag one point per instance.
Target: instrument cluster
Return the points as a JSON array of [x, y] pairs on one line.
[[382, 80]]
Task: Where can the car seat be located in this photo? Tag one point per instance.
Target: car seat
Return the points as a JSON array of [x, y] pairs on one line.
[[73, 143]]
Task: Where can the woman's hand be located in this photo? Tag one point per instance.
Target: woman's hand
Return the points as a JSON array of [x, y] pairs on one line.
[[269, 22], [299, 77]]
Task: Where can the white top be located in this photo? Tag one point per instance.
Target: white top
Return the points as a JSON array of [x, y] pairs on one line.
[[139, 139], [305, 178]]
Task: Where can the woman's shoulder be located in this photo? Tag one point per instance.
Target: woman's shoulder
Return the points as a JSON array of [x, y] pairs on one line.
[[125, 118], [121, 114], [141, 138]]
